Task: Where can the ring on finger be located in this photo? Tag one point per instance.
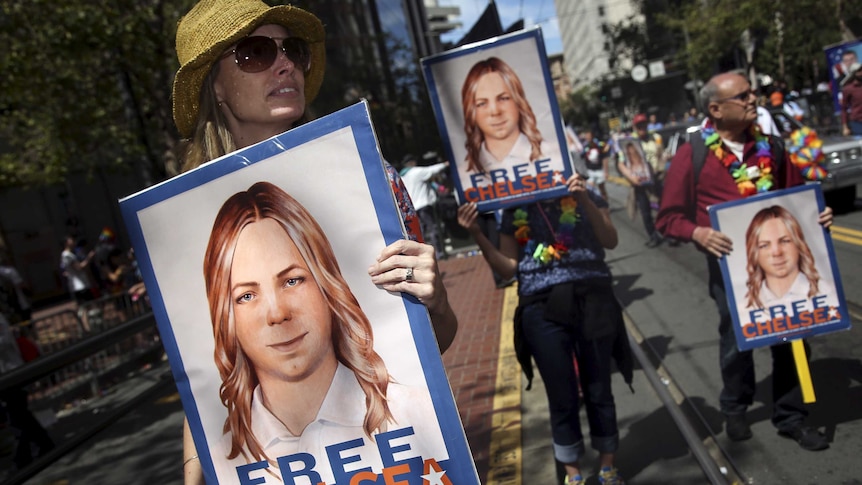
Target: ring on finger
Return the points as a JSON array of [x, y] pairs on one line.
[[408, 276]]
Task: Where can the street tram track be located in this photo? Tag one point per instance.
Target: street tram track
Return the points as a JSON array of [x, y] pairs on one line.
[[717, 464]]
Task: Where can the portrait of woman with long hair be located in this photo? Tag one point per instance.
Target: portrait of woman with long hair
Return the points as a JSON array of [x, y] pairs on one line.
[[780, 265], [499, 123], [294, 349]]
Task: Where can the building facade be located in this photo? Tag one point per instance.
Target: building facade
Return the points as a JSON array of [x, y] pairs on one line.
[[581, 29]]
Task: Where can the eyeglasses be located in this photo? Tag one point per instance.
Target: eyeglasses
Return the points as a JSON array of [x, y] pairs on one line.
[[258, 53], [743, 96]]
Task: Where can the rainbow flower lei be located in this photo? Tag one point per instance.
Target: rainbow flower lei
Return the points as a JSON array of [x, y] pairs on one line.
[[750, 179], [806, 152], [563, 236]]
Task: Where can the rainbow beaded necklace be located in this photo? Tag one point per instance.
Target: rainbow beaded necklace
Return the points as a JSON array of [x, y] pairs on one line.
[[563, 236], [750, 179]]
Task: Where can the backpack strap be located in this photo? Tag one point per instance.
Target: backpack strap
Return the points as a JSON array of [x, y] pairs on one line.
[[698, 154], [776, 146]]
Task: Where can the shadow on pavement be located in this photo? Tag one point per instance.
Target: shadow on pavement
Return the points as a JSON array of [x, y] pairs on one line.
[[626, 292]]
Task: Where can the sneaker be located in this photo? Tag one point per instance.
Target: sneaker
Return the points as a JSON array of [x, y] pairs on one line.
[[610, 476], [737, 427], [576, 480], [808, 437], [654, 240], [506, 283]]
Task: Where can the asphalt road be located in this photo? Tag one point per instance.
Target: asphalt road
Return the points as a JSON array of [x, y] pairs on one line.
[[664, 291]]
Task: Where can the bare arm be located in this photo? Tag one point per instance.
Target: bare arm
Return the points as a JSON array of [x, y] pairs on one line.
[[193, 472], [627, 173], [600, 219], [504, 261]]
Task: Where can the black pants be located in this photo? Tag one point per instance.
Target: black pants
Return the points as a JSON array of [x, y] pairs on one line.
[[32, 432], [737, 367], [642, 201], [428, 223]]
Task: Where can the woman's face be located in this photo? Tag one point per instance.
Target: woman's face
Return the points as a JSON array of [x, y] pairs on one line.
[[261, 104], [497, 114], [283, 322], [777, 254]]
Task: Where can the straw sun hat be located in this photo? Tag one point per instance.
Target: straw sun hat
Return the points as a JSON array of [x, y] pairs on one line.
[[212, 26]]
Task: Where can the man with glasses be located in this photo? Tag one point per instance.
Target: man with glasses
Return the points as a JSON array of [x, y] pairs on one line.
[[729, 138]]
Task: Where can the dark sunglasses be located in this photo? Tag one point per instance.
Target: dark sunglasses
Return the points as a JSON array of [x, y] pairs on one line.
[[743, 96], [258, 53]]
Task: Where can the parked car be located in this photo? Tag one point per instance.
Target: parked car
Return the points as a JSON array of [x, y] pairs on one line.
[[843, 157]]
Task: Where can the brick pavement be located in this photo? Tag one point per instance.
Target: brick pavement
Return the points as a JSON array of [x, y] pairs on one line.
[[471, 361]]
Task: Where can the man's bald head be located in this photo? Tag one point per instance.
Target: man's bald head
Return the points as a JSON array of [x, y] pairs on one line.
[[711, 90], [729, 102]]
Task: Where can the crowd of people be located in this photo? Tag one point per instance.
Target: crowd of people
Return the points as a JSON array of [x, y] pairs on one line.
[[105, 269]]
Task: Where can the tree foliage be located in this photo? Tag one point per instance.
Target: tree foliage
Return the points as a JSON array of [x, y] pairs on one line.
[[793, 31], [582, 107], [85, 85]]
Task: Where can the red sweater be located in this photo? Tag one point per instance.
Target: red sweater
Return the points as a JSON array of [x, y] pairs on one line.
[[683, 206], [851, 102]]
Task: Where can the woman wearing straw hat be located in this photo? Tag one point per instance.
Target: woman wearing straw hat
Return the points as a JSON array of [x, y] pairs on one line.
[[247, 73]]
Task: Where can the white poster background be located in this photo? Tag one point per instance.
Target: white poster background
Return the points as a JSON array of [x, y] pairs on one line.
[[185, 222]]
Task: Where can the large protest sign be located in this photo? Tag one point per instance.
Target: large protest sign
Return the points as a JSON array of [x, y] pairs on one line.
[[498, 115], [840, 58], [781, 277], [293, 367]]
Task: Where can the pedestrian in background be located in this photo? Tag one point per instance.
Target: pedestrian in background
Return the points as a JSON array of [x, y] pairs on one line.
[[419, 182], [731, 136], [18, 300], [653, 148], [33, 440], [851, 101], [566, 309], [76, 271], [596, 154]]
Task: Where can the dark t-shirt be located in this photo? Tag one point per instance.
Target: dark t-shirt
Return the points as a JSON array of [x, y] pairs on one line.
[[583, 260]]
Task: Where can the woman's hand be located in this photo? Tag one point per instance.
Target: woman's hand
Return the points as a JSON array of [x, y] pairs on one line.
[[411, 267], [577, 186], [825, 217], [468, 214]]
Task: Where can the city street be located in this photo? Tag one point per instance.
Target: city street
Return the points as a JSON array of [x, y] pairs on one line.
[[671, 315]]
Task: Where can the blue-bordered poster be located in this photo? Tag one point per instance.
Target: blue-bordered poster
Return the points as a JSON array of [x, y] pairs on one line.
[[498, 116], [840, 58], [293, 367], [782, 278]]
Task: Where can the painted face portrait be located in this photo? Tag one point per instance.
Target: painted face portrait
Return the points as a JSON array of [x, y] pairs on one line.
[[633, 155], [496, 113], [283, 323], [282, 312], [777, 253], [776, 250]]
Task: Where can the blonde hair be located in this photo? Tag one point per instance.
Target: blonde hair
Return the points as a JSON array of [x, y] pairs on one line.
[[756, 275], [526, 122], [352, 336]]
